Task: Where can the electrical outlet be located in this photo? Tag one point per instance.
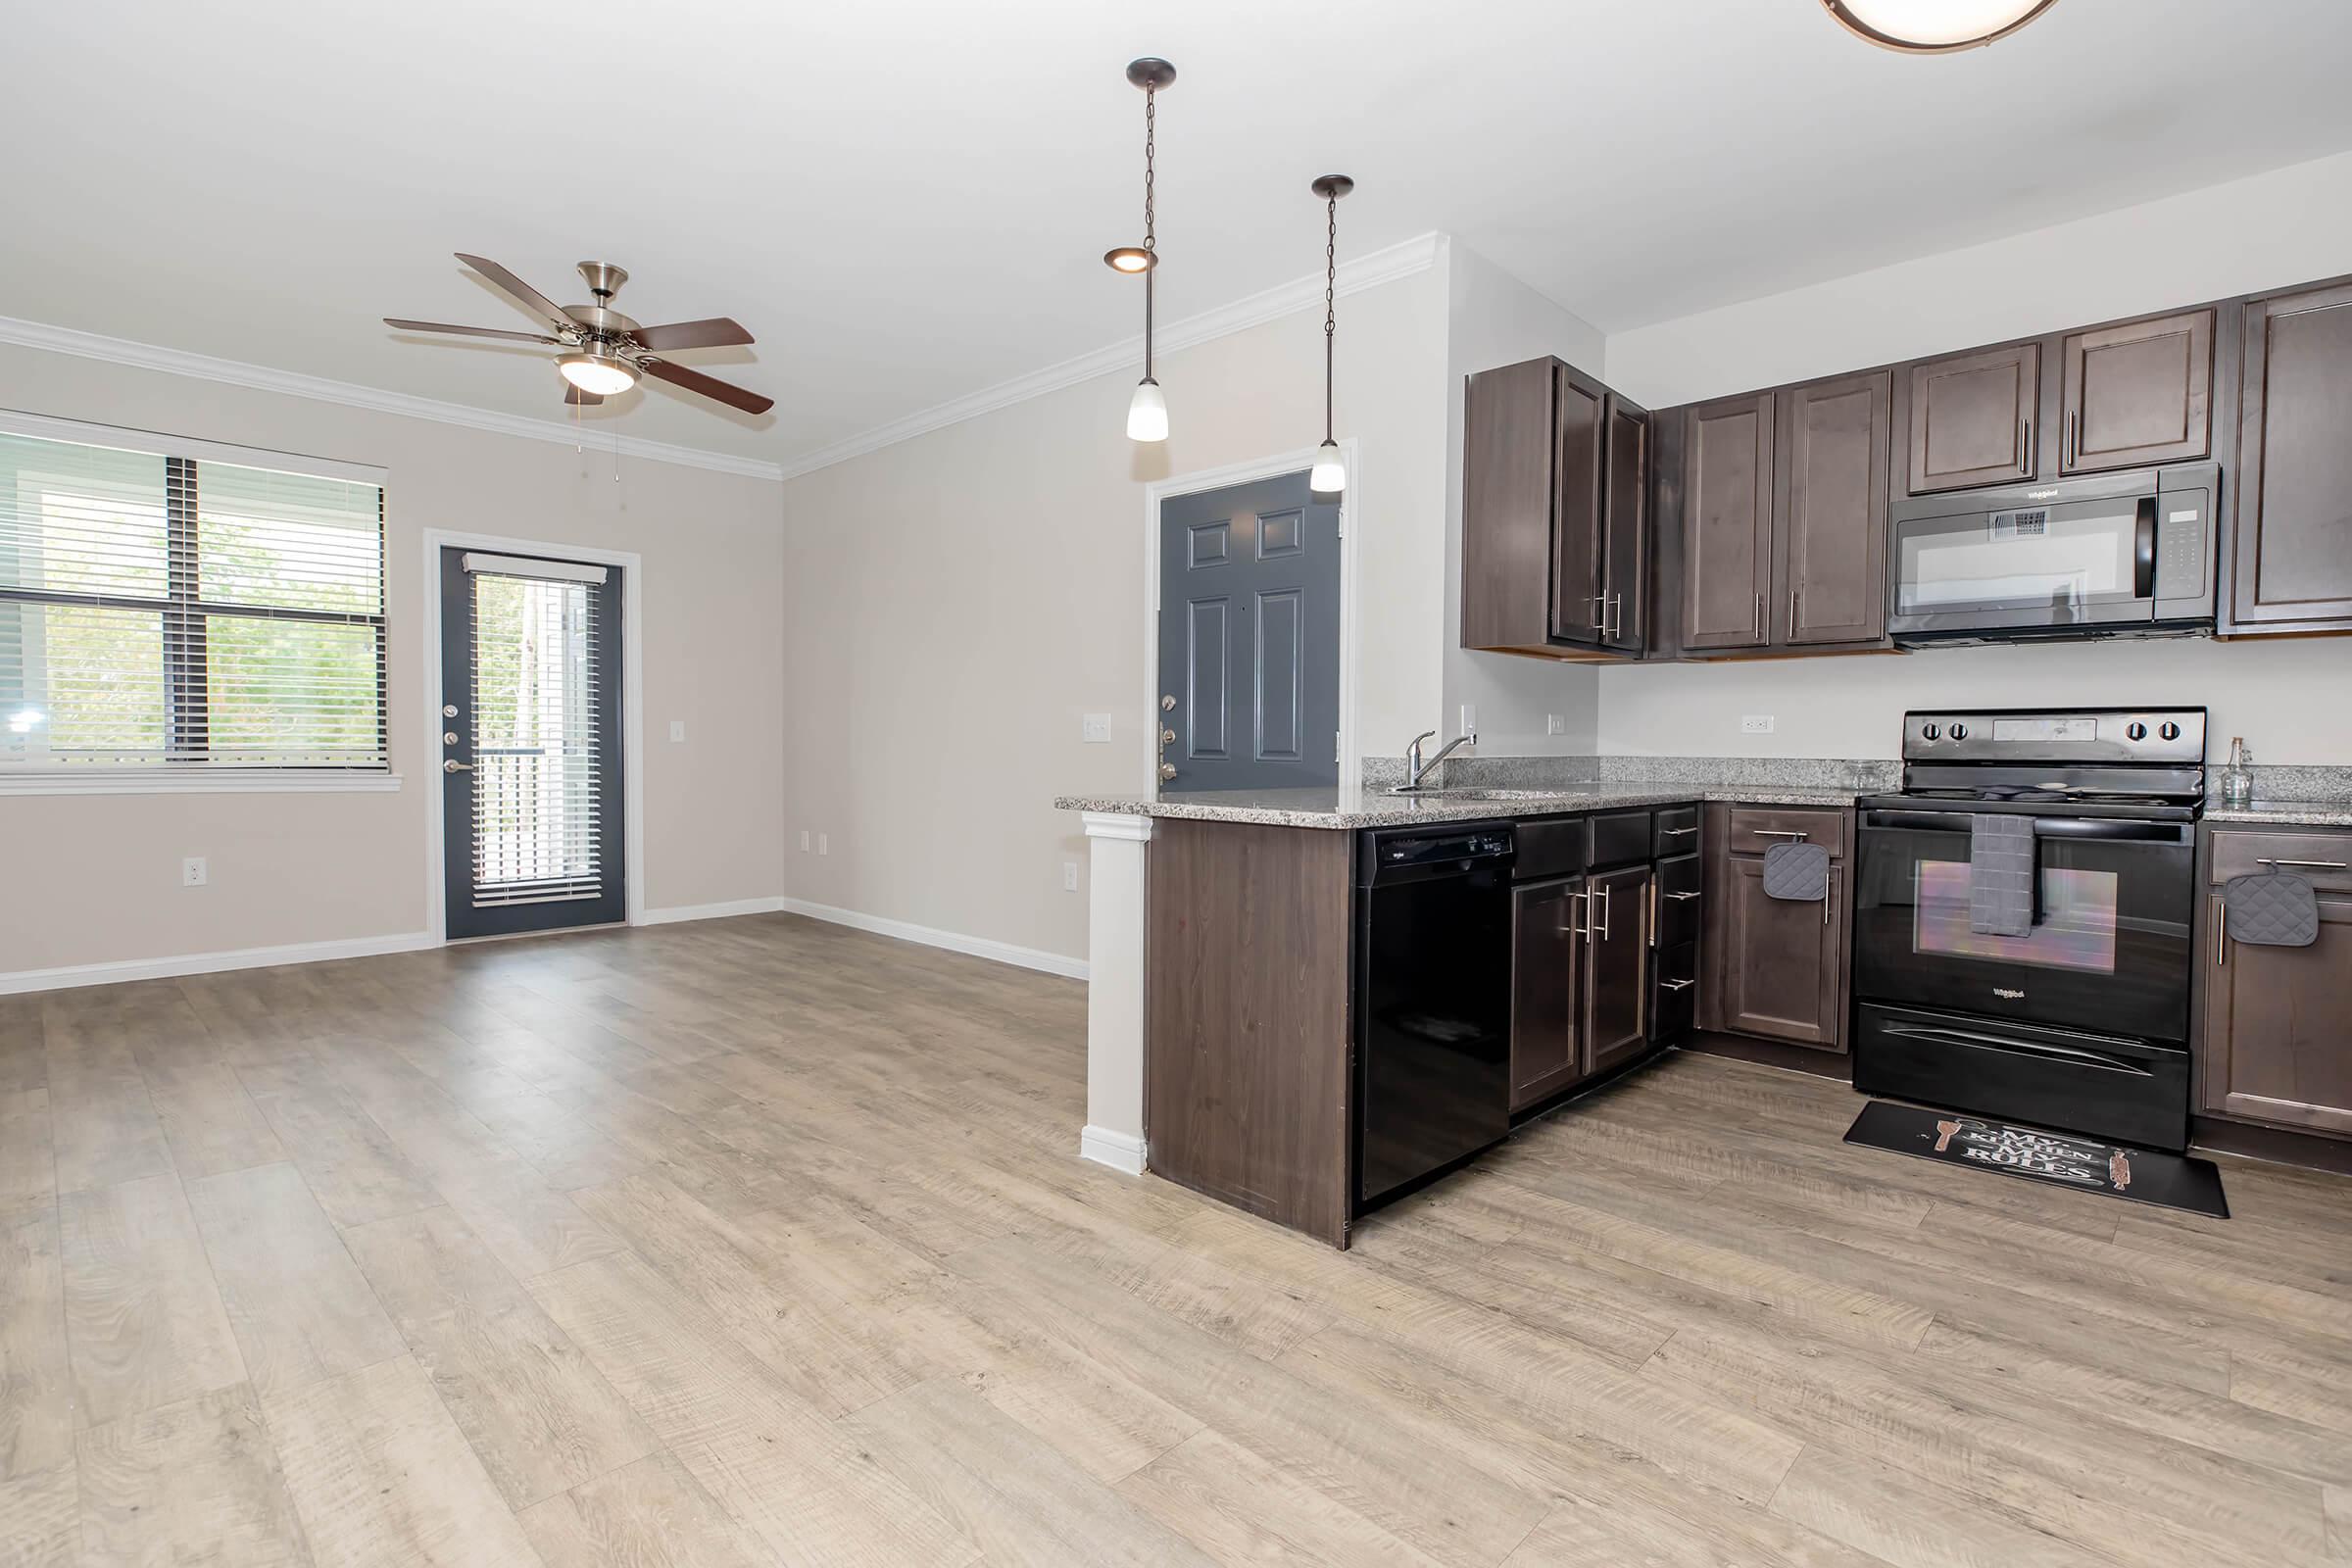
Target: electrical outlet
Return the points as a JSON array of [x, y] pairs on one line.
[[1069, 876], [804, 841], [1094, 729], [1553, 724], [194, 872], [1469, 718], [823, 845], [1755, 724], [678, 730]]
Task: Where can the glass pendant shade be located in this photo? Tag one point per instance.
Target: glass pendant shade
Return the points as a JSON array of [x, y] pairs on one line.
[[1146, 412], [1329, 477], [1932, 27]]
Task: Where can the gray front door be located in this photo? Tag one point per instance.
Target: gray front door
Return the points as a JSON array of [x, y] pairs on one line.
[[1249, 637]]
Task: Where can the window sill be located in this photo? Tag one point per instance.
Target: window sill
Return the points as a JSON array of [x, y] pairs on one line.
[[246, 781]]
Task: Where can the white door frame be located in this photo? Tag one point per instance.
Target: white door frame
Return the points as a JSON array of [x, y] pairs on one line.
[[632, 706], [1350, 536]]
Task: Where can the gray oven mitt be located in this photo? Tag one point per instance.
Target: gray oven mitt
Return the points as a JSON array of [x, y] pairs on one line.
[[1799, 872], [2271, 909]]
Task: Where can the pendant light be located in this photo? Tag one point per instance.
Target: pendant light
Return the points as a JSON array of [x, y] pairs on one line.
[[1935, 27], [1329, 477], [1148, 410]]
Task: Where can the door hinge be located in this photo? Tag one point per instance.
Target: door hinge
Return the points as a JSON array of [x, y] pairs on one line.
[[1335, 747]]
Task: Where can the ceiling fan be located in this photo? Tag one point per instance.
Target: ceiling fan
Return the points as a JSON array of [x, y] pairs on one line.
[[605, 351]]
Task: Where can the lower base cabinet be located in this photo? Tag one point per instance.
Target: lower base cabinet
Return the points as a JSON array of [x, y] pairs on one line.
[[1616, 967], [2277, 1048], [1778, 966], [1547, 974]]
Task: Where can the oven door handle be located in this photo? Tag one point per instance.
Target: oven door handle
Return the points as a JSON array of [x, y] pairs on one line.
[[2115, 829], [2097, 1059], [2143, 549]]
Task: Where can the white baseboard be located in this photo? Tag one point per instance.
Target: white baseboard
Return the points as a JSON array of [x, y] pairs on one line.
[[709, 912], [930, 937], [102, 974], [1123, 1151]]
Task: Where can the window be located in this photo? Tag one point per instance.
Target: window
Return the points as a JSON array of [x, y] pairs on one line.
[[167, 611]]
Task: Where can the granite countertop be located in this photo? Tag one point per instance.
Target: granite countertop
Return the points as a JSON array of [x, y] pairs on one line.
[[2285, 813], [1377, 808]]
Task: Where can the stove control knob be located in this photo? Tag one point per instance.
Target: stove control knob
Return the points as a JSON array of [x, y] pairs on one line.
[[2170, 731], [2137, 730], [1930, 732], [1959, 732]]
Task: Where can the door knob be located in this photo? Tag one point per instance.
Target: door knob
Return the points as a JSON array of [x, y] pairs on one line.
[[453, 766], [1167, 771]]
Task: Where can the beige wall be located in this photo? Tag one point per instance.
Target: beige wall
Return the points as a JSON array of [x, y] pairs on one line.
[[94, 879], [2285, 696], [955, 603]]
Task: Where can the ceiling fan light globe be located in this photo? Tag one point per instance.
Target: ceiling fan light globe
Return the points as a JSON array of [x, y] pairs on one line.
[[1146, 412], [598, 374], [1329, 477], [1932, 27]]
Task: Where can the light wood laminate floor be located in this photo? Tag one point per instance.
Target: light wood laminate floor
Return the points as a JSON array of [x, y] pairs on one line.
[[761, 1241]]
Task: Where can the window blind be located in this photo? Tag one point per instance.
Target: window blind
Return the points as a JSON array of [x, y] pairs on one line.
[[537, 759], [160, 611]]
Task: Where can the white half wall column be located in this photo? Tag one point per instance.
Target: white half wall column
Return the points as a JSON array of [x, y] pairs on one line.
[[1117, 852]]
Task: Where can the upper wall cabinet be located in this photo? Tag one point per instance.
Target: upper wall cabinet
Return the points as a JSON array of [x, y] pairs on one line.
[[1974, 418], [2292, 563], [1555, 514], [2139, 394], [1727, 496]]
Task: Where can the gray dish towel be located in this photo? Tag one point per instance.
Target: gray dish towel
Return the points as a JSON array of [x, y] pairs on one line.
[[2271, 909], [1796, 871], [2005, 875]]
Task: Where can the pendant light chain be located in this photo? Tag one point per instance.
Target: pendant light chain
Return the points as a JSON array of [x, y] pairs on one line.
[[1331, 275]]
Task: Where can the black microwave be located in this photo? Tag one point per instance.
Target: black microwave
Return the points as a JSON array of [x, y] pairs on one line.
[[2104, 556]]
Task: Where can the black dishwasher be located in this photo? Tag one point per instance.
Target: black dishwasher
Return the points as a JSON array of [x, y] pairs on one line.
[[1432, 1000]]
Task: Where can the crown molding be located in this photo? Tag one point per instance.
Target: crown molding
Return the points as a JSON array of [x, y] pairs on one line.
[[262, 378], [1401, 260]]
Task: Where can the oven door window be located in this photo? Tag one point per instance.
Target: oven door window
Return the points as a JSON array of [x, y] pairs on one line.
[[2109, 952], [2065, 563]]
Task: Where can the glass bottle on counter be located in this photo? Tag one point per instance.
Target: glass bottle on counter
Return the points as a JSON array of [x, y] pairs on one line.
[[2237, 774]]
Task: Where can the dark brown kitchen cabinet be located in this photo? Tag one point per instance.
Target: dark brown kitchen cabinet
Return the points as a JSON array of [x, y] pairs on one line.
[[1555, 514], [1617, 959], [2137, 394], [1727, 498], [1974, 417], [1546, 987], [1830, 560], [2276, 1050], [2292, 564], [1777, 968]]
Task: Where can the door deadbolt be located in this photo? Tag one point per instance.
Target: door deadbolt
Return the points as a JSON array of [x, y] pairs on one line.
[[1167, 703], [448, 709], [449, 737]]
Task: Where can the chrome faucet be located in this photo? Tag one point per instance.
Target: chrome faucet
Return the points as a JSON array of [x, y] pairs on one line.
[[1416, 769]]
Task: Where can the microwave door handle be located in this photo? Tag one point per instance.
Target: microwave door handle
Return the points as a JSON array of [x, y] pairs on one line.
[[2143, 550]]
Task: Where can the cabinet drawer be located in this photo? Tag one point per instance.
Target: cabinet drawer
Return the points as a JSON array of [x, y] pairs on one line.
[[1677, 991], [1680, 899], [1676, 831], [2329, 857], [1757, 828], [1551, 845], [1620, 838]]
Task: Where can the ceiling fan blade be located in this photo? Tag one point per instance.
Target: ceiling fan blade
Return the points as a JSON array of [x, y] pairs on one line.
[[716, 333], [466, 332], [529, 298], [710, 386], [585, 400]]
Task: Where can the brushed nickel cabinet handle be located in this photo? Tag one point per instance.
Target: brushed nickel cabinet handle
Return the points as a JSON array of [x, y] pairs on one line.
[[1572, 929], [2315, 866], [2073, 437], [1681, 897], [1677, 985], [1603, 931], [1790, 834], [2220, 922], [1793, 593]]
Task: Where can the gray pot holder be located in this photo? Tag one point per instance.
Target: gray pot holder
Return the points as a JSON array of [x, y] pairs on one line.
[[2271, 909], [1798, 872]]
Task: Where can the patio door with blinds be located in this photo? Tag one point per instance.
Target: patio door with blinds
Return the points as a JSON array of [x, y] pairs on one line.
[[530, 744]]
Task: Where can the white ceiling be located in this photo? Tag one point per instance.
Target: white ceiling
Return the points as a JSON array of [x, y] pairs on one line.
[[907, 201]]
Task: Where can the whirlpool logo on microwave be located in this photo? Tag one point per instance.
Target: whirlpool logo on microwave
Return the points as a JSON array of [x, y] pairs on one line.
[[2007, 995]]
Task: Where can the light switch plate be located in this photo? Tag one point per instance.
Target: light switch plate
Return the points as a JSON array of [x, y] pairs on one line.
[[804, 841], [1094, 729], [678, 730], [1469, 718], [824, 846], [1755, 724]]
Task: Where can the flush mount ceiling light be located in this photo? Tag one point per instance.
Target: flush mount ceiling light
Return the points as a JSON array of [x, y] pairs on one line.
[[1148, 410], [1330, 476], [599, 374], [1935, 27]]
